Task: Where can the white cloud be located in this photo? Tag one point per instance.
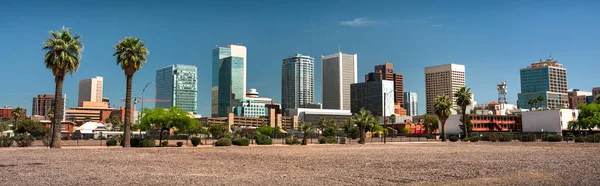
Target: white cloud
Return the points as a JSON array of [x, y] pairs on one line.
[[357, 22]]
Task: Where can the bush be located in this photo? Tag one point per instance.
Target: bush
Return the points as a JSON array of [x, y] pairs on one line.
[[527, 138], [46, 142], [241, 142], [327, 140], [264, 130], [223, 142], [579, 139], [179, 144], [133, 142], [493, 137], [262, 139], [292, 140], [147, 143], [505, 137], [354, 132], [111, 142], [5, 141], [165, 143], [453, 138], [64, 138], [552, 138], [24, 140], [196, 141], [429, 136], [474, 139], [592, 138]]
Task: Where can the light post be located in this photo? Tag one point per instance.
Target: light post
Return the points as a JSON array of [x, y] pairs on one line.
[[141, 111], [385, 94]]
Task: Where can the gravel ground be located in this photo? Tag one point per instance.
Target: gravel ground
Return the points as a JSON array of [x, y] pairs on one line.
[[372, 164]]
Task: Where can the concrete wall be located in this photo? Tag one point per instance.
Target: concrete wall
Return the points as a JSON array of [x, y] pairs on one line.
[[548, 121]]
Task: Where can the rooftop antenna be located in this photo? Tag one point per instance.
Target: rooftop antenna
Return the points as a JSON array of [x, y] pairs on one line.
[[297, 50], [339, 48], [550, 55]]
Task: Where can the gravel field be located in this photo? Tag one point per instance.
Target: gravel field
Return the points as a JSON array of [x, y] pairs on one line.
[[481, 163]]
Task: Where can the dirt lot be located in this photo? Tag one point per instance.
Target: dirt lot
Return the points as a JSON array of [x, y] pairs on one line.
[[372, 164]]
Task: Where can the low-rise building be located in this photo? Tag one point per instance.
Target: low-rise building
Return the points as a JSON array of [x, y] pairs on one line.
[[315, 115]]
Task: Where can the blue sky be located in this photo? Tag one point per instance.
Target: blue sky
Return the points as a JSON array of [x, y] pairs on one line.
[[492, 38]]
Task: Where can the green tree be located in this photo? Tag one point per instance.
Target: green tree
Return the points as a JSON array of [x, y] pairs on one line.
[[63, 55], [131, 56], [114, 122], [588, 118], [217, 130], [442, 106], [17, 113], [166, 119], [597, 101], [430, 123], [265, 130], [32, 127], [393, 118], [3, 127], [87, 119], [463, 99], [363, 119], [540, 100], [306, 128]]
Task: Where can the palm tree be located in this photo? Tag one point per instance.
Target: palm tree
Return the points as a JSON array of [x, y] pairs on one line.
[[63, 55], [464, 99], [306, 127], [17, 113], [87, 119], [393, 118], [363, 119], [531, 102], [442, 105], [540, 100], [131, 55]]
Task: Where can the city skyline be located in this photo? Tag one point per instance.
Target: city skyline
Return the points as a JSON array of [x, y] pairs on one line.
[[421, 36]]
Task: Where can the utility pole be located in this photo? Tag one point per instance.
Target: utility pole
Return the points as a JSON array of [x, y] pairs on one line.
[[384, 119], [141, 111]]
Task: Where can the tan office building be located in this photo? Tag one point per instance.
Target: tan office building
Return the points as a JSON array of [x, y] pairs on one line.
[[339, 72], [90, 90], [443, 80]]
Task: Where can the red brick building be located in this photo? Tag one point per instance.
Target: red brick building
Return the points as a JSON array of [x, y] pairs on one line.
[[386, 72], [6, 112]]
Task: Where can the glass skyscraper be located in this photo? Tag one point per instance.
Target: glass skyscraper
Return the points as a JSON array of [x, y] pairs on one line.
[[228, 78], [297, 81], [410, 103], [177, 85], [546, 79]]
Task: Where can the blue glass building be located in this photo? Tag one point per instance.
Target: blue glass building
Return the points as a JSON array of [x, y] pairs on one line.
[[177, 85], [545, 83], [228, 78]]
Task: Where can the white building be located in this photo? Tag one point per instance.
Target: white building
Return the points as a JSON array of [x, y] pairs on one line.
[[297, 81], [339, 72], [443, 80], [90, 90], [411, 103], [551, 121]]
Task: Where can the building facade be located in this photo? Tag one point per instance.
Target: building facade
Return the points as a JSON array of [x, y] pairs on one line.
[[546, 79], [177, 85], [411, 104], [297, 81], [315, 115], [376, 96], [228, 70], [42, 104], [386, 72], [339, 72], [6, 113], [90, 90], [254, 106], [442, 80], [595, 92], [577, 97]]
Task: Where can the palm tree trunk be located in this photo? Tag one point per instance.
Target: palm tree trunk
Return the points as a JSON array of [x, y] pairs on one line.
[[305, 138], [16, 123], [160, 137], [465, 127], [362, 135], [128, 112], [444, 130], [58, 112]]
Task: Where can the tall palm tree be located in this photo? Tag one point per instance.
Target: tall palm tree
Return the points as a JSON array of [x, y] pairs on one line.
[[306, 127], [531, 102], [540, 100], [363, 119], [442, 105], [393, 118], [63, 55], [463, 99], [131, 55], [17, 113]]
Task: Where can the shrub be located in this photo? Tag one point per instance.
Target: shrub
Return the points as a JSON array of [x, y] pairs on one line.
[[241, 142], [5, 141], [24, 140], [493, 137], [474, 139], [179, 144], [579, 139], [453, 138], [527, 138], [262, 139], [405, 130], [429, 136], [466, 139], [264, 130], [133, 142], [292, 140], [592, 138], [327, 140], [147, 143], [165, 143], [46, 142], [223, 142], [111, 142], [196, 141], [505, 137], [354, 132], [552, 138], [64, 138], [330, 131]]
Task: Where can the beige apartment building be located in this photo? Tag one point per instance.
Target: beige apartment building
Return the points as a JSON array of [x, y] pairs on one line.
[[90, 90], [443, 80]]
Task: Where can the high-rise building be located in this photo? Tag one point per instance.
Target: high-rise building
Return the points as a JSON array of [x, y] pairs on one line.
[[375, 96], [177, 85], [577, 97], [339, 72], [411, 104], [443, 80], [386, 72], [547, 80], [297, 81], [228, 70], [90, 90], [42, 104]]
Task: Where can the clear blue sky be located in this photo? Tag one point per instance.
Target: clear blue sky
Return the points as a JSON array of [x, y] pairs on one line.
[[492, 38]]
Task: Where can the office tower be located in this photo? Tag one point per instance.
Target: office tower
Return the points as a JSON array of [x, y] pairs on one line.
[[339, 72], [177, 85], [411, 104], [546, 79], [443, 80], [297, 81], [90, 90], [375, 96], [386, 72], [42, 104], [233, 78]]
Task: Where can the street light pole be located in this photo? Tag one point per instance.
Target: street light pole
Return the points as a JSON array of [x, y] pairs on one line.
[[141, 111]]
